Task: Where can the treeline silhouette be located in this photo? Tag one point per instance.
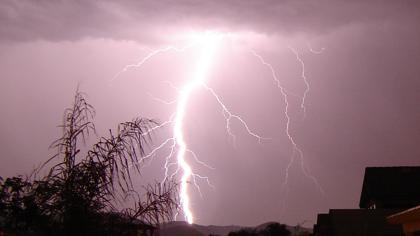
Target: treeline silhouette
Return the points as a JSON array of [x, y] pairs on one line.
[[272, 229], [78, 194]]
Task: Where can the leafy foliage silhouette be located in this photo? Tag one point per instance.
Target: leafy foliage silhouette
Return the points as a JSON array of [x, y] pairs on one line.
[[78, 196]]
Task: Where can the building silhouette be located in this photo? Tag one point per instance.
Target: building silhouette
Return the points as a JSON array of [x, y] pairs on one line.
[[386, 191]]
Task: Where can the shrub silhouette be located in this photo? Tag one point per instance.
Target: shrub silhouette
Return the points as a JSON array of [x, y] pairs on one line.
[[78, 196], [275, 229]]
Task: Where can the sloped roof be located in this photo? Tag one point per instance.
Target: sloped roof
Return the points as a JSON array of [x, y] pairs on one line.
[[391, 187], [412, 214]]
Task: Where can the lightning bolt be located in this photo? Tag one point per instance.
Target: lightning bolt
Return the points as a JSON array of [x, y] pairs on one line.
[[148, 57], [184, 95], [296, 149], [209, 46], [177, 144], [305, 80]]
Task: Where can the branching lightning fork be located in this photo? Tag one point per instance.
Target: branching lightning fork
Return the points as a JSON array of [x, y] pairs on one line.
[[296, 149]]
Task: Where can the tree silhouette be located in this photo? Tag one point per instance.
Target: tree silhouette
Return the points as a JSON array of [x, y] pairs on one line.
[[275, 229], [77, 196]]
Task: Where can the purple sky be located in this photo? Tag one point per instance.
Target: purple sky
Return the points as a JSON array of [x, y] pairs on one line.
[[363, 106]]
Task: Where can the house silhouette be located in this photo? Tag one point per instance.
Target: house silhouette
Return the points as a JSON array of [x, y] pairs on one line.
[[386, 191]]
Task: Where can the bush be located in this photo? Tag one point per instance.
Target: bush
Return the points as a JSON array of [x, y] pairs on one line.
[[77, 195]]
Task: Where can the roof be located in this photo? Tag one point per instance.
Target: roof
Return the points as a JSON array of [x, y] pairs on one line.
[[412, 214], [391, 187]]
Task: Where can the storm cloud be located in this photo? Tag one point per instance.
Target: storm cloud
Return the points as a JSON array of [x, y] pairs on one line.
[[152, 20]]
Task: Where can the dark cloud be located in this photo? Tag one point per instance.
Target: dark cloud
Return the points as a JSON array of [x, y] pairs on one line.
[[144, 20]]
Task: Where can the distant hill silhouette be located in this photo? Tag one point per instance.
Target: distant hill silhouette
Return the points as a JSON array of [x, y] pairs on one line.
[[178, 228]]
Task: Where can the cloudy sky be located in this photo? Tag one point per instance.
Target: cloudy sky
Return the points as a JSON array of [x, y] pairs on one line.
[[362, 107]]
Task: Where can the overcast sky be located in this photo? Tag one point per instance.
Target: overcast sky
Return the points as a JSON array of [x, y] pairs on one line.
[[362, 108]]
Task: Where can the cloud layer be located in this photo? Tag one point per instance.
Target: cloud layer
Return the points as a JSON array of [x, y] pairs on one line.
[[149, 20]]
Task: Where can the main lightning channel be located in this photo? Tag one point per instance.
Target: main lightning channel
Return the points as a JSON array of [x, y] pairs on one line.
[[185, 93], [209, 46]]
